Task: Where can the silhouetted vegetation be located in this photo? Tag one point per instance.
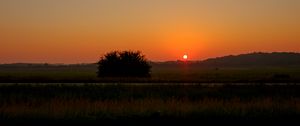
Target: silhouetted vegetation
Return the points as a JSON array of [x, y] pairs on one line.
[[98, 102], [86, 73], [123, 64]]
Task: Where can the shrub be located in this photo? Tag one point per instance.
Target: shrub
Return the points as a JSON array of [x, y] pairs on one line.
[[123, 64]]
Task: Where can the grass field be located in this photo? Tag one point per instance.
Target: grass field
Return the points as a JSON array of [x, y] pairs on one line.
[[188, 94], [115, 102], [171, 74]]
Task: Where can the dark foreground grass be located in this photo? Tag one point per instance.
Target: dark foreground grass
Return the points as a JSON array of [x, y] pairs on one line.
[[190, 74], [172, 103]]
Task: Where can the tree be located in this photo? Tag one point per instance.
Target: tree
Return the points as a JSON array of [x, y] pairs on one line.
[[123, 64]]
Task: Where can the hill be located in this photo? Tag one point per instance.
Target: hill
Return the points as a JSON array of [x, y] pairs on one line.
[[255, 59]]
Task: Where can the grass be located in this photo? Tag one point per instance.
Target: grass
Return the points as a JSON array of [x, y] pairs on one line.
[[159, 74], [184, 94], [94, 102]]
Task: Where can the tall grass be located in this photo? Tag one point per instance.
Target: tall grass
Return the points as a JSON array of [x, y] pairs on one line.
[[159, 74], [112, 109], [114, 102]]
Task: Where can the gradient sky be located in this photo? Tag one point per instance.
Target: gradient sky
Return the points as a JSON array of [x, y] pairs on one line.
[[80, 31]]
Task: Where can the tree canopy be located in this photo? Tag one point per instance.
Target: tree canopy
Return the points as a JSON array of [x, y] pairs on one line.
[[123, 64]]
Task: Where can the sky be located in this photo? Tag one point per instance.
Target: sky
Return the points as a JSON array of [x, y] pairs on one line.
[[81, 31]]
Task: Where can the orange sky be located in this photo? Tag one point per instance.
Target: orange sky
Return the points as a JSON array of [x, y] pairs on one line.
[[80, 31]]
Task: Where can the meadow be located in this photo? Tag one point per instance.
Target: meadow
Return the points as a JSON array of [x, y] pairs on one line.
[[159, 74], [76, 94], [135, 101]]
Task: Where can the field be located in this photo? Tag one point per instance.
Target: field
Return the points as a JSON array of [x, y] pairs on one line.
[[159, 73], [214, 95], [98, 102]]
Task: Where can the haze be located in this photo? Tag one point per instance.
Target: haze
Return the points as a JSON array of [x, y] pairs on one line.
[[80, 31]]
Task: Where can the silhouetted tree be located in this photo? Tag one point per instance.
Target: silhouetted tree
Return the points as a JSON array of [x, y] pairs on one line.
[[123, 64]]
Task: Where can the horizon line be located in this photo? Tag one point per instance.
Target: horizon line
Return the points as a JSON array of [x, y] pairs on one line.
[[155, 61]]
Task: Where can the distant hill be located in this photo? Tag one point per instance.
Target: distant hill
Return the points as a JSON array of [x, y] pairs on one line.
[[254, 59], [45, 65]]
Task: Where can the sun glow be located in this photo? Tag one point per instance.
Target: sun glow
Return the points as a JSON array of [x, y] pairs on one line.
[[185, 57]]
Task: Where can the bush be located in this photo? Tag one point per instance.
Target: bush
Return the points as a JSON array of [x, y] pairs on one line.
[[123, 64]]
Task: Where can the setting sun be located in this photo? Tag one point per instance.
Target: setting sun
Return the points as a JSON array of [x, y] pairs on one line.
[[185, 57]]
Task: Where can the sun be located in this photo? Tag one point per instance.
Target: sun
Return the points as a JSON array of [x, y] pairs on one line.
[[185, 56]]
